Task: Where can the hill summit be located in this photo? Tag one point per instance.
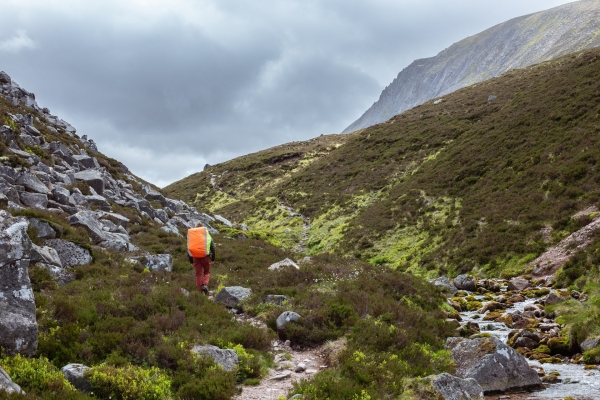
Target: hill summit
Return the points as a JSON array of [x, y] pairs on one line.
[[517, 43]]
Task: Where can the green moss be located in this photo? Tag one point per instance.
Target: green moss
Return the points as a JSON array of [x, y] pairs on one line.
[[474, 305]]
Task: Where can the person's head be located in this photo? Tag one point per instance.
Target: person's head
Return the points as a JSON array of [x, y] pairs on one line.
[[199, 225]]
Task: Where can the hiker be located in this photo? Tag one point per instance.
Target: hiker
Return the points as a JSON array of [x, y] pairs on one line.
[[201, 252]]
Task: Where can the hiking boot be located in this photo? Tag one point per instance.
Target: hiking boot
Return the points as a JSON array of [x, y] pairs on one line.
[[205, 289]]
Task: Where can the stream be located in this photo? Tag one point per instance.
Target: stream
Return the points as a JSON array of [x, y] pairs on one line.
[[575, 381]]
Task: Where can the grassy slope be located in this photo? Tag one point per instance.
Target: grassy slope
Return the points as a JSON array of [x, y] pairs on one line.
[[467, 183]]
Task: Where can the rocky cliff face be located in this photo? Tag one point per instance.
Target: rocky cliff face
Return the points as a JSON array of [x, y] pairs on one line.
[[48, 174], [517, 43]]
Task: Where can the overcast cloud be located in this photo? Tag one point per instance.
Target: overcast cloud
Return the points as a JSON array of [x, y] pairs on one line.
[[167, 87]]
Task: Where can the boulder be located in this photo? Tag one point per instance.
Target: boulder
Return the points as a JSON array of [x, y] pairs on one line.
[[59, 274], [75, 374], [465, 282], [518, 284], [157, 262], [18, 326], [33, 184], [69, 253], [34, 200], [6, 384], [86, 162], [162, 216], [171, 229], [98, 201], [495, 366], [44, 229], [232, 296], [4, 78], [89, 221], [45, 254], [454, 388], [283, 263], [226, 358], [285, 318], [116, 219], [223, 220], [553, 298], [277, 299], [589, 343], [3, 200], [445, 285], [93, 178]]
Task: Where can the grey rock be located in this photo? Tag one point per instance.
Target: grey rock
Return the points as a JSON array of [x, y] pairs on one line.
[[114, 241], [157, 262], [69, 253], [93, 178], [4, 78], [18, 326], [33, 184], [226, 358], [277, 299], [465, 282], [117, 219], [492, 364], [34, 200], [32, 130], [74, 373], [589, 343], [43, 229], [285, 318], [554, 298], [9, 174], [281, 376], [283, 263], [61, 195], [492, 97], [518, 284], [99, 201], [453, 388], [517, 43], [525, 342], [445, 285], [60, 275], [223, 220], [162, 216], [45, 254], [86, 162], [301, 367], [232, 296], [29, 140], [171, 229], [6, 384]]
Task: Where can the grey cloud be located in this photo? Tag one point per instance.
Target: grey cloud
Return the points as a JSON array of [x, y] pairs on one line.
[[166, 92]]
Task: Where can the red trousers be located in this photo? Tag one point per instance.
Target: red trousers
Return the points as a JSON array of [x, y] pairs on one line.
[[202, 265]]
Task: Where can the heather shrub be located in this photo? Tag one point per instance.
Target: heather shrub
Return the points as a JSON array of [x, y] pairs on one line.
[[129, 382], [36, 375]]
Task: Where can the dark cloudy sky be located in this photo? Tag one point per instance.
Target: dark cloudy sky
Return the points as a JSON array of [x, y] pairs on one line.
[[168, 86]]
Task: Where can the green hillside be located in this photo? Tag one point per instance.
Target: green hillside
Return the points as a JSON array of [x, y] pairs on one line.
[[465, 184]]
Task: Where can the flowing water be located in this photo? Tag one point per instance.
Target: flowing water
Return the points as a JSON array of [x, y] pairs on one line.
[[576, 382]]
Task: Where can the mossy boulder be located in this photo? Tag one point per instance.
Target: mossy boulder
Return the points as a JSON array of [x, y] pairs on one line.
[[592, 356], [542, 349], [560, 345], [474, 305], [492, 316]]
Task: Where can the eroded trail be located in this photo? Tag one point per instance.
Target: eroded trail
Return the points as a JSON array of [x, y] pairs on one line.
[[292, 365]]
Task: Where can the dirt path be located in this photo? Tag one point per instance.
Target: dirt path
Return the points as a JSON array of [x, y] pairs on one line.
[[280, 379]]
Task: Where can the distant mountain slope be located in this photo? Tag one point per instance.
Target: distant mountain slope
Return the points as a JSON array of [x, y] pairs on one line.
[[465, 184], [517, 43]]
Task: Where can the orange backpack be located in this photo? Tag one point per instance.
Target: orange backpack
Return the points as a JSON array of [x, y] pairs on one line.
[[198, 242]]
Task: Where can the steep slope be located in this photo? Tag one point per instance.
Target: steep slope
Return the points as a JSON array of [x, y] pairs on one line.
[[517, 43], [486, 179]]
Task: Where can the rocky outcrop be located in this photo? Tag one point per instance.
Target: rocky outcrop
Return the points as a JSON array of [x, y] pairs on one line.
[[18, 326], [517, 43], [157, 262], [283, 263], [495, 366], [232, 296], [6, 384], [69, 253], [453, 388], [226, 358]]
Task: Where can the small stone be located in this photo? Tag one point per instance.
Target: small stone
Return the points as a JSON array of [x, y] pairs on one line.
[[281, 376], [300, 367]]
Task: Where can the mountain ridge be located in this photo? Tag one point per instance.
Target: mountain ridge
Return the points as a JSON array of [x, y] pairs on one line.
[[516, 43]]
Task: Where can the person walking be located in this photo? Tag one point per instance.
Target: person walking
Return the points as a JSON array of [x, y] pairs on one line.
[[201, 252]]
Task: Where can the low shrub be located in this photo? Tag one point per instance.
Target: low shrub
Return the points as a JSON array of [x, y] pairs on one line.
[[129, 382], [36, 375]]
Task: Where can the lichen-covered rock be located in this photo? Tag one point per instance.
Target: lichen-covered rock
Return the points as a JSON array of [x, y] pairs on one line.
[[44, 230], [18, 326], [33, 184], [232, 296], [93, 178], [491, 363], [157, 262], [69, 253], [74, 373], [227, 358], [453, 388], [7, 385], [34, 200], [285, 318]]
